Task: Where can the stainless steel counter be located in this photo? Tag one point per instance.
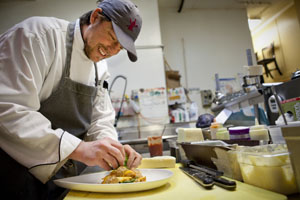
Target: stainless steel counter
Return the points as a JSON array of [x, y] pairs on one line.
[[129, 135], [133, 133], [144, 140]]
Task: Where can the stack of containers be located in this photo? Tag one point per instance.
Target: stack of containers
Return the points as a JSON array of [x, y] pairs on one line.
[[259, 132]]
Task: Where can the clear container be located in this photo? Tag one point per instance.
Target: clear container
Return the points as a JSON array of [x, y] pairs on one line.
[[206, 133], [226, 162], [268, 167], [214, 128], [222, 134], [276, 135], [235, 167], [291, 134], [259, 134]]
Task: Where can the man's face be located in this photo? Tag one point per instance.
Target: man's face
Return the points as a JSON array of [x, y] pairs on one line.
[[100, 41]]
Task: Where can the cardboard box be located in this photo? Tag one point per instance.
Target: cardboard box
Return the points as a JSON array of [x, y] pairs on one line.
[[173, 79]]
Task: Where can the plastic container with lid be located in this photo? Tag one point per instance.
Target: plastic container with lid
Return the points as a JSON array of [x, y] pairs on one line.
[[268, 167], [222, 134], [276, 135], [239, 133], [226, 162], [291, 134], [259, 132]]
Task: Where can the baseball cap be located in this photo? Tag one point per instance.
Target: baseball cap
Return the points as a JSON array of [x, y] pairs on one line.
[[126, 22]]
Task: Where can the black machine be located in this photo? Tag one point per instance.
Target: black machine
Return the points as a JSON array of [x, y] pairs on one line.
[[284, 91]]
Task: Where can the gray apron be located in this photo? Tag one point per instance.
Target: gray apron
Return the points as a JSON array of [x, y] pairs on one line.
[[69, 108]]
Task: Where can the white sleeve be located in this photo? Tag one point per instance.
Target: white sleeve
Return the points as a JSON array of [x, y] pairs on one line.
[[26, 135], [103, 116]]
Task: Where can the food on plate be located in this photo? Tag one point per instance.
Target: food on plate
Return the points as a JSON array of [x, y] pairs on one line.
[[124, 175]]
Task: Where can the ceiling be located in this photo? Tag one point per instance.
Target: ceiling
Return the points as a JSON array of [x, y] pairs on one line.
[[254, 7]]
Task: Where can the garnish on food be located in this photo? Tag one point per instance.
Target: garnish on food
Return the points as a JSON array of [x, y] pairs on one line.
[[124, 175]]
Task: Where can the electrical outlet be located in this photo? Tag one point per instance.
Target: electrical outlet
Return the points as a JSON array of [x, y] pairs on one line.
[[206, 97]]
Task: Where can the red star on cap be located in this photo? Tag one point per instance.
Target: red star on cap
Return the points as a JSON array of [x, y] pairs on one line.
[[132, 25]]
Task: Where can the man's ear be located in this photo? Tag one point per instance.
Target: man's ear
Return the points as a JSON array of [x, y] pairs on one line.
[[95, 15]]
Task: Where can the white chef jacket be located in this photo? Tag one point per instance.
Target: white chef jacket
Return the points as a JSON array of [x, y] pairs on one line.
[[32, 58]]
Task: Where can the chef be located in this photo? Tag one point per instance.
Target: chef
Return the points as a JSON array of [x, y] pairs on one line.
[[55, 112]]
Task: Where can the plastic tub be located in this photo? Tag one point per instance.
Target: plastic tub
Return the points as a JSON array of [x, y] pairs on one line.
[[259, 134], [291, 134], [276, 135], [268, 167], [239, 133], [222, 134]]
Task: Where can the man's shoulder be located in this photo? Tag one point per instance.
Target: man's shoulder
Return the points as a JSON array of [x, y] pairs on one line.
[[43, 19], [42, 24], [36, 27]]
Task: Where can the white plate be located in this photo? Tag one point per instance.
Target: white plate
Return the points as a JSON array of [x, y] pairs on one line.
[[92, 182]]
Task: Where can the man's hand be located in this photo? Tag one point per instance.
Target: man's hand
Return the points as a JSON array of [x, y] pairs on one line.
[[134, 158], [106, 153]]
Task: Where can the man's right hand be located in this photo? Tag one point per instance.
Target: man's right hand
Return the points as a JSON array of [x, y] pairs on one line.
[[106, 153]]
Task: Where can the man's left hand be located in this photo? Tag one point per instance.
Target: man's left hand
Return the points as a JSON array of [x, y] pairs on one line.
[[134, 158]]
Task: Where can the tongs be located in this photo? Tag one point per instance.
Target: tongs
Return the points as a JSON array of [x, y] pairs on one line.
[[206, 176]]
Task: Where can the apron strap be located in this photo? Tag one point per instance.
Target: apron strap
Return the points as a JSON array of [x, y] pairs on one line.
[[96, 75], [97, 82], [69, 47]]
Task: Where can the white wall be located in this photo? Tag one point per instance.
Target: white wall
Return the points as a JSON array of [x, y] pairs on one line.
[[215, 41], [14, 11], [148, 71]]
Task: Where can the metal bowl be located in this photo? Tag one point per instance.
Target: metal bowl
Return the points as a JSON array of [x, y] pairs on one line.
[[202, 152]]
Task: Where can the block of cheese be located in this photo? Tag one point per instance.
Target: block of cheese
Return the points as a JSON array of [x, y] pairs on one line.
[[189, 135], [158, 162]]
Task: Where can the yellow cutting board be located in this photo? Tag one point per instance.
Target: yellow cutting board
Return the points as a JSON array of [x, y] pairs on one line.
[[182, 187]]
